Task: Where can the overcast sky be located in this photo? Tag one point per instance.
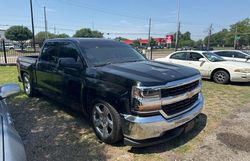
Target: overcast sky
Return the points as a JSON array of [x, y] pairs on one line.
[[126, 18]]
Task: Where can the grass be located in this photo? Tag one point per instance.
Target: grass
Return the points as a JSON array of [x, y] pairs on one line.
[[220, 102]]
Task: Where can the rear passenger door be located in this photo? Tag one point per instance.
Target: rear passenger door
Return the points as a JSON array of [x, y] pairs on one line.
[[179, 58], [46, 68]]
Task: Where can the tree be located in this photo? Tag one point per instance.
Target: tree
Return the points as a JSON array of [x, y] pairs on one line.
[[136, 43], [40, 36], [152, 42], [86, 32], [62, 35], [18, 33], [120, 39]]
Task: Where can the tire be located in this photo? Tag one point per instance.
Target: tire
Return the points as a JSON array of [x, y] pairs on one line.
[[221, 77], [27, 85], [106, 122]]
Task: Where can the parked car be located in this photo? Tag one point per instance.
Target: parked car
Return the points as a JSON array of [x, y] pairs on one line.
[[123, 94], [7, 47], [11, 146], [234, 55], [211, 66]]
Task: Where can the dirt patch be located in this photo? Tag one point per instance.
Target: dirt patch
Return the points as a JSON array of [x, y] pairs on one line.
[[234, 141], [230, 141]]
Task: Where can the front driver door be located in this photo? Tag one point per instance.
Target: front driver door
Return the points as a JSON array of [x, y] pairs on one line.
[[70, 79], [194, 62]]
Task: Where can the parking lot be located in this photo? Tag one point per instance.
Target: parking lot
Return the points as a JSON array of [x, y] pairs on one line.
[[53, 132]]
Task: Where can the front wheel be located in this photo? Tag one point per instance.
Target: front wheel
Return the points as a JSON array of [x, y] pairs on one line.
[[221, 77], [106, 122]]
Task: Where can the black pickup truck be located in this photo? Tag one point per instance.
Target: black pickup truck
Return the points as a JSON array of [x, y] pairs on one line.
[[125, 95]]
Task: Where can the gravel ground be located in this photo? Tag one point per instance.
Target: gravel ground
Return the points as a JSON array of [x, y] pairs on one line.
[[230, 141], [53, 132]]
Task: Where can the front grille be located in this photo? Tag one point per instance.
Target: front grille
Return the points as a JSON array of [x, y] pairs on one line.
[[179, 90], [180, 106]]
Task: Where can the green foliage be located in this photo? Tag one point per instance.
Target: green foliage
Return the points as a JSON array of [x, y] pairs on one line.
[[226, 37], [62, 36], [120, 39], [136, 43], [18, 33], [184, 39], [152, 42], [86, 32], [40, 36]]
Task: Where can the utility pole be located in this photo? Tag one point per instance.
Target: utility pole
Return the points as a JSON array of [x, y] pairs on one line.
[[149, 38], [45, 23], [209, 36], [235, 36], [178, 27], [54, 29], [93, 25], [33, 30]]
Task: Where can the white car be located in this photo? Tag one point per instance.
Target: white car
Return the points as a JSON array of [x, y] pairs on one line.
[[234, 55], [211, 66]]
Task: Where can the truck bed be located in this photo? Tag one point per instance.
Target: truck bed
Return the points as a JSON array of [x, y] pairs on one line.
[[27, 59]]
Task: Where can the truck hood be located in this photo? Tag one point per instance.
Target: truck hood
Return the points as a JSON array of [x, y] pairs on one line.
[[148, 73]]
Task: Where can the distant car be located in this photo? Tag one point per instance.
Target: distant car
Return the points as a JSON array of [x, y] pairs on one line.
[[7, 47], [211, 66], [11, 146], [234, 55]]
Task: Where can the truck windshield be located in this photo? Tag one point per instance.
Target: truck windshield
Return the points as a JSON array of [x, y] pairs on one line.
[[213, 57], [110, 54]]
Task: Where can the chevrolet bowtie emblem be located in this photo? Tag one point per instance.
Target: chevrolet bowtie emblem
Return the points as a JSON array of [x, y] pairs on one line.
[[190, 94]]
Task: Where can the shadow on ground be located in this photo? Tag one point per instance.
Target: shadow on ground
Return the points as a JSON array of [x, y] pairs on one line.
[[178, 141], [52, 132]]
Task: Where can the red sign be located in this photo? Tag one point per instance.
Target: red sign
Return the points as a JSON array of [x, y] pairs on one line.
[[169, 39]]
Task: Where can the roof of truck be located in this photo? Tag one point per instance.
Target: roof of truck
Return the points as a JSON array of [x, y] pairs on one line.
[[86, 42]]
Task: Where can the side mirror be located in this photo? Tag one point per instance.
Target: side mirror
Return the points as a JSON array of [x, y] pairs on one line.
[[68, 62], [202, 60], [9, 90]]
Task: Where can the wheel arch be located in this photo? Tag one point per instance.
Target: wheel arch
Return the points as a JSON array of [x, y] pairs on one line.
[[217, 69]]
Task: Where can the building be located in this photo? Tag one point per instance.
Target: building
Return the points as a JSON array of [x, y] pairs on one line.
[[144, 42], [2, 34]]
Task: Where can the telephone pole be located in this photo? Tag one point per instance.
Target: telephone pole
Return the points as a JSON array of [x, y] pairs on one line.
[[178, 27], [209, 36], [32, 22], [149, 38], [45, 23]]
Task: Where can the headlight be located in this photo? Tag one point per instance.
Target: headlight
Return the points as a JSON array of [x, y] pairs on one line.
[[242, 70], [145, 100]]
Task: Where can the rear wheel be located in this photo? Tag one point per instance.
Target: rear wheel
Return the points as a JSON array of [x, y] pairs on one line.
[[27, 86], [106, 122], [221, 77]]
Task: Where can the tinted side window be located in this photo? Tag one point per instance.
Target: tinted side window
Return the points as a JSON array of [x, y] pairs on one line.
[[228, 54], [179, 56], [68, 50], [49, 52], [238, 55], [195, 56]]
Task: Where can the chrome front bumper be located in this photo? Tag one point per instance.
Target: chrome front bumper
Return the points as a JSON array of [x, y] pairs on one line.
[[141, 128]]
